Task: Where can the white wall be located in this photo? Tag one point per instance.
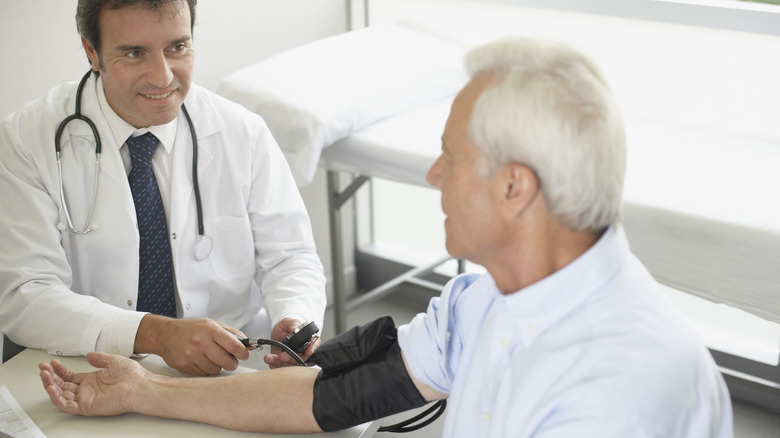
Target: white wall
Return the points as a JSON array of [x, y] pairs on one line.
[[41, 48]]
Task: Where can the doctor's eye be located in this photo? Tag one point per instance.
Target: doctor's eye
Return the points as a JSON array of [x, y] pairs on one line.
[[180, 48], [133, 54]]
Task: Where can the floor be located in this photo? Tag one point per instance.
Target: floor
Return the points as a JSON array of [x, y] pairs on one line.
[[749, 421]]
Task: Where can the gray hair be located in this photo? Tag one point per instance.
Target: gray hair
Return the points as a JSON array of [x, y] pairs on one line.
[[88, 15], [550, 109]]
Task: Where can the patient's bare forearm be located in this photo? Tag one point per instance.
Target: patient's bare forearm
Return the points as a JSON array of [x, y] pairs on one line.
[[277, 400]]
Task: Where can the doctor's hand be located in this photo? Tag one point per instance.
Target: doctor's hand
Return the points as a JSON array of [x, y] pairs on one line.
[[198, 347], [277, 358], [109, 391]]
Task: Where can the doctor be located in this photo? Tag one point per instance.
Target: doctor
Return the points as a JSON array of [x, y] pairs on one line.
[[69, 283]]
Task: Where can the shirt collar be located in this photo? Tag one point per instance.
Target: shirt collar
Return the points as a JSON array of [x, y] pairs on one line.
[[545, 302], [121, 130]]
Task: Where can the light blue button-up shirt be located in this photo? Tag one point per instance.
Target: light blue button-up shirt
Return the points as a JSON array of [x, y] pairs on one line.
[[593, 350]]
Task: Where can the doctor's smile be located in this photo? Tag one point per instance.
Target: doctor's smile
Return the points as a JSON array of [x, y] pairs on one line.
[[157, 96]]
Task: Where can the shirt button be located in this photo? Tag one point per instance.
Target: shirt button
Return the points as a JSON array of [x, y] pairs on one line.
[[173, 235], [188, 306], [486, 415], [129, 303], [59, 353], [447, 336], [505, 343]]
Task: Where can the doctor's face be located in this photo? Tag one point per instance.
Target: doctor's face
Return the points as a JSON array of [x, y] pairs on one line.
[[146, 61]]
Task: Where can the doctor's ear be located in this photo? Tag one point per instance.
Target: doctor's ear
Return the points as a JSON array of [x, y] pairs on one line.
[[92, 54]]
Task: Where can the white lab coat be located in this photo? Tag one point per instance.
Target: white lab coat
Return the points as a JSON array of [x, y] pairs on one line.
[[263, 250]]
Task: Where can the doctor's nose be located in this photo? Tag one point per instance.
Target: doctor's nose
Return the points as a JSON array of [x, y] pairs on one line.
[[159, 72]]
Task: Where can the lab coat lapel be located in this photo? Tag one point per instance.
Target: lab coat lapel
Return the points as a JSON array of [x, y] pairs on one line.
[[111, 161]]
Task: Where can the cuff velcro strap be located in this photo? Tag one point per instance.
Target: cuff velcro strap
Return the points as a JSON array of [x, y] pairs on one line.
[[363, 378]]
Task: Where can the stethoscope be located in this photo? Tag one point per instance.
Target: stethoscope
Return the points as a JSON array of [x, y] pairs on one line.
[[202, 249]]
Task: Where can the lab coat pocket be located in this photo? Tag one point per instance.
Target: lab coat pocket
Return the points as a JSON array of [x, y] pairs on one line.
[[232, 256]]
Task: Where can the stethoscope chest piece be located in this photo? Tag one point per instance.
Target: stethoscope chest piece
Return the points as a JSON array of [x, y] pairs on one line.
[[203, 248]]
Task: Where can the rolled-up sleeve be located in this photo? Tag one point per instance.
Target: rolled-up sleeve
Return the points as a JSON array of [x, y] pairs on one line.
[[431, 342]]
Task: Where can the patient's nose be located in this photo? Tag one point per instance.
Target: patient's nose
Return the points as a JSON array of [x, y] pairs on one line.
[[434, 174]]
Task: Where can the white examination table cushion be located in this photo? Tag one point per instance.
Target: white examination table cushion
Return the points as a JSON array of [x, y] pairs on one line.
[[316, 94]]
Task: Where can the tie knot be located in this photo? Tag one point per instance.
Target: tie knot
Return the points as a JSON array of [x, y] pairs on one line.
[[142, 149]]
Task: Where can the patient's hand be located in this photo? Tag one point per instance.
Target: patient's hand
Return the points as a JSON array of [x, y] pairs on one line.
[[108, 391]]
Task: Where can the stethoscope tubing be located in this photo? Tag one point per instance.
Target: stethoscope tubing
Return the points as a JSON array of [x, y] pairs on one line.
[[98, 149], [58, 150], [195, 184]]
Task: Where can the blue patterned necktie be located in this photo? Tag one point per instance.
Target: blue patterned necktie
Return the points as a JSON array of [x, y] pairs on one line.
[[155, 282]]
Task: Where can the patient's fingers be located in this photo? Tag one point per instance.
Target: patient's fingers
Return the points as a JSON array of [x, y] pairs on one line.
[[55, 393], [65, 374], [69, 387], [58, 399], [54, 384], [62, 371], [47, 378], [64, 400]]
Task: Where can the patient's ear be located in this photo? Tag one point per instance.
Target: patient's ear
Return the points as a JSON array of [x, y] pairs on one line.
[[521, 187]]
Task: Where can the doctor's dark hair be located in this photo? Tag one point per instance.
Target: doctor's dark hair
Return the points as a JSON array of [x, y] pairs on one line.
[[548, 107], [88, 14]]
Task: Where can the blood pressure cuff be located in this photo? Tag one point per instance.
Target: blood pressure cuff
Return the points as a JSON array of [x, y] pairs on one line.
[[363, 377]]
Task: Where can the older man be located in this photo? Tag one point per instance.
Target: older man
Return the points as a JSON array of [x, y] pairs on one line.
[[567, 334]]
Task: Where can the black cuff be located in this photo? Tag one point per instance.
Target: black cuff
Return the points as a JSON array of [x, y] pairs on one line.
[[363, 377], [355, 345]]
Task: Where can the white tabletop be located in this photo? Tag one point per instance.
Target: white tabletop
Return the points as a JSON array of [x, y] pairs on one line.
[[20, 375]]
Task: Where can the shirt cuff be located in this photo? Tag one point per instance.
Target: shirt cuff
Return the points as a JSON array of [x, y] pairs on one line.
[[118, 335]]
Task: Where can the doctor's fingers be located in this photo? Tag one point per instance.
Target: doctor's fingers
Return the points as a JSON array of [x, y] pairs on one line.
[[275, 360], [222, 358], [205, 333], [209, 361], [232, 330], [194, 363], [311, 348], [205, 369], [231, 345]]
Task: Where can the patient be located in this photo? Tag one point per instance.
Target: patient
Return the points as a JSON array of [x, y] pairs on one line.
[[567, 334]]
